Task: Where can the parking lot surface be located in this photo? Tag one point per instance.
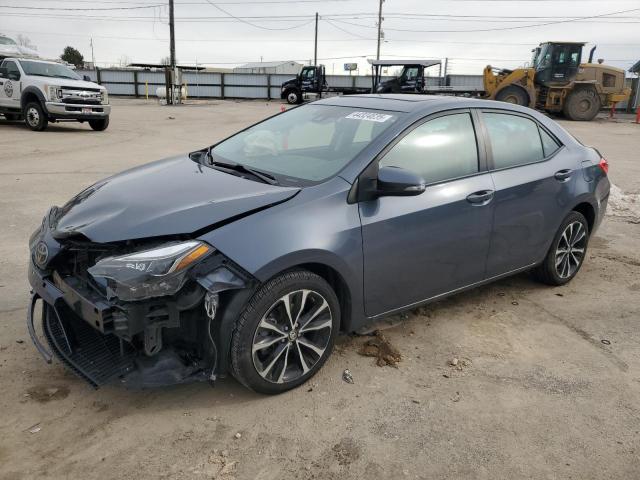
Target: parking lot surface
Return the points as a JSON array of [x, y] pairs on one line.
[[546, 385]]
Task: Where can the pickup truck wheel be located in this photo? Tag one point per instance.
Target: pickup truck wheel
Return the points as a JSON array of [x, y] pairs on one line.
[[35, 117], [293, 97], [99, 124], [286, 332]]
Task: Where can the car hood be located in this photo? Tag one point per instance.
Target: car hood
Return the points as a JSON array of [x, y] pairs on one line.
[[169, 197], [70, 82]]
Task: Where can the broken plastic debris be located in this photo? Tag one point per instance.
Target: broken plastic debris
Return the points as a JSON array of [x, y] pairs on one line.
[[347, 377]]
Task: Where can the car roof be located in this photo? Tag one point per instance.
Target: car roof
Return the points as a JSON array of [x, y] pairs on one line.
[[412, 103]]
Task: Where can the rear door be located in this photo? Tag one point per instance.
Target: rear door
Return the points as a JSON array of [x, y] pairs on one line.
[[534, 180], [419, 247]]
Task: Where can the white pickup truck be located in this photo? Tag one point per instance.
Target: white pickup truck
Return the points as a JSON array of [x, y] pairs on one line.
[[41, 91]]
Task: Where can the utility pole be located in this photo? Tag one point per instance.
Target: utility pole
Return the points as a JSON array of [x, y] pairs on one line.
[[172, 53], [93, 58], [315, 48], [379, 28]]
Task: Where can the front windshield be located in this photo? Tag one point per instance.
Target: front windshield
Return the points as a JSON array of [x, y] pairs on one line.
[[43, 69], [6, 41], [309, 143], [543, 58]]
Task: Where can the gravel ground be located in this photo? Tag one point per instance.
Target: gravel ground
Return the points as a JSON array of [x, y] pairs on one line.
[[547, 381]]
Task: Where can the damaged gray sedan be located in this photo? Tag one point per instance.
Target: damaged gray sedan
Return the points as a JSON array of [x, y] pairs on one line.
[[250, 256]]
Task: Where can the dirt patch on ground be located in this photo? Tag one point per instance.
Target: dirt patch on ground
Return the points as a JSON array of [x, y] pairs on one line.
[[346, 451], [47, 393], [380, 348]]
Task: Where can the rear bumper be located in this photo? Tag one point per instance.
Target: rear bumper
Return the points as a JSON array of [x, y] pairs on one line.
[[76, 111]]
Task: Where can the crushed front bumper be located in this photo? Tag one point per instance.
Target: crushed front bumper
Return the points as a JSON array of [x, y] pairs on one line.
[[97, 358]]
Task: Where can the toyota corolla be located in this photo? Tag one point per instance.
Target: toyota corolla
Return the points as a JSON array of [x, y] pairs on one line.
[[250, 256]]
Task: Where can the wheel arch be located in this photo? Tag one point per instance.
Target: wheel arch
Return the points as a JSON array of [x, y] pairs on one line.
[[31, 94], [343, 282], [588, 211], [339, 286]]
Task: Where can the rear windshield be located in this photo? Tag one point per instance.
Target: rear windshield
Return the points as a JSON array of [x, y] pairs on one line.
[[311, 142], [44, 69]]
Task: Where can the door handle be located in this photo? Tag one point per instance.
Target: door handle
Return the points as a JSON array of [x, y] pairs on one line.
[[563, 175], [480, 198]]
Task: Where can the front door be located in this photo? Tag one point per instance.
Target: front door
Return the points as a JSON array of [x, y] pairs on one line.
[[416, 248], [10, 86], [534, 183]]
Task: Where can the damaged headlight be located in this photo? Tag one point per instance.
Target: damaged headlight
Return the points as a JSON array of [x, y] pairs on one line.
[[149, 273]]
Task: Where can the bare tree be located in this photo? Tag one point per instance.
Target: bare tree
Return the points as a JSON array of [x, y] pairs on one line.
[[25, 41], [124, 61]]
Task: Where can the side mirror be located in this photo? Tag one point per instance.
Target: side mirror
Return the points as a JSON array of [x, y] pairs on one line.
[[87, 78], [398, 182]]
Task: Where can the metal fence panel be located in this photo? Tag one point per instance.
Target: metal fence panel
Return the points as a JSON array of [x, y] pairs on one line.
[[90, 73], [206, 78], [121, 88], [245, 79], [151, 77], [118, 76], [245, 91]]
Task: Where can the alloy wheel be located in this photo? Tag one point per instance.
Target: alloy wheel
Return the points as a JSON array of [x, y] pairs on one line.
[[292, 336], [570, 249]]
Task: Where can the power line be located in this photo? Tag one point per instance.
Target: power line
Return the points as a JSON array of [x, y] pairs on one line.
[[83, 9], [250, 23], [497, 28]]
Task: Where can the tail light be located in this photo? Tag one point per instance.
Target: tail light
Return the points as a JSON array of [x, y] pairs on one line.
[[604, 165]]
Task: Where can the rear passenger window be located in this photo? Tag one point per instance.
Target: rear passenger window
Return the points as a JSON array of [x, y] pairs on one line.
[[440, 149], [514, 140], [549, 145]]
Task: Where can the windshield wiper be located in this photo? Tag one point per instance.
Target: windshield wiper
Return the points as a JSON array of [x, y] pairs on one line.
[[238, 167]]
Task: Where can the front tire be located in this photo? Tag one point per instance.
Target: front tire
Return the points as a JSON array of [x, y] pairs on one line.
[[582, 105], [293, 97], [286, 332], [35, 117], [567, 252], [99, 124], [514, 95]]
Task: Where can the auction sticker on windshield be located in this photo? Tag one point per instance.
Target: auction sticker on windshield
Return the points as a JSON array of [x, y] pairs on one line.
[[370, 116]]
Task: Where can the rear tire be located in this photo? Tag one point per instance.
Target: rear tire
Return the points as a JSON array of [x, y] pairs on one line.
[[99, 124], [567, 252], [514, 95], [582, 105], [35, 117], [273, 351]]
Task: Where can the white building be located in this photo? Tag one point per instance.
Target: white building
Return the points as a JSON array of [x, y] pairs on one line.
[[288, 67]]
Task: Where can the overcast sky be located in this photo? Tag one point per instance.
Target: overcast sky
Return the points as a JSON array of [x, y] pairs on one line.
[[226, 33]]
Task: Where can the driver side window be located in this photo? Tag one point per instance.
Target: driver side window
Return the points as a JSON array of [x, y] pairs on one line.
[[440, 149], [12, 71]]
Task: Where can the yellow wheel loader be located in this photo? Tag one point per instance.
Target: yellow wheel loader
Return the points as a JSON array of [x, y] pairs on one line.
[[557, 81]]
